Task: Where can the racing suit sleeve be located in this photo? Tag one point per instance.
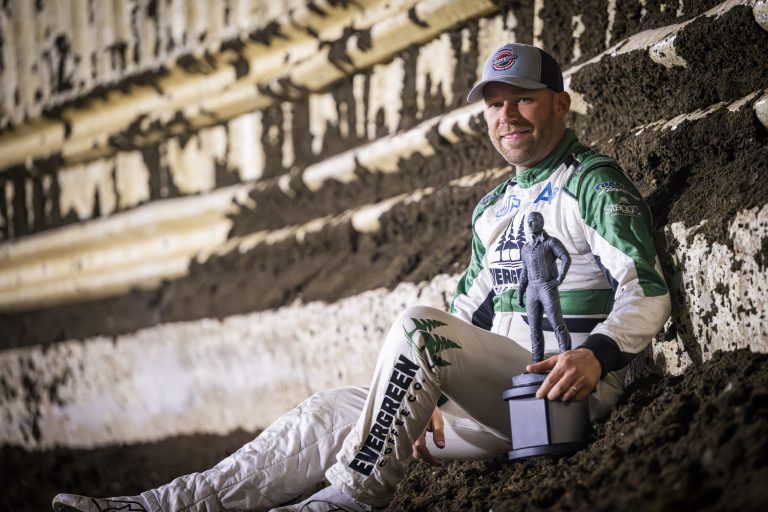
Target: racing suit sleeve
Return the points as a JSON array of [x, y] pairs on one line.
[[473, 298], [617, 226]]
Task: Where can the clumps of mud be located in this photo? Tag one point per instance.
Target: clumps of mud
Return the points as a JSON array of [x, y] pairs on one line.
[[709, 165], [694, 442], [630, 89]]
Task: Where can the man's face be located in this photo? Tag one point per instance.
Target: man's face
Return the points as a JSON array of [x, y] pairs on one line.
[[535, 223], [524, 125]]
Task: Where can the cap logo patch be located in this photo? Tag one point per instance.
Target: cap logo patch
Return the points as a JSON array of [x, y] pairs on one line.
[[503, 60]]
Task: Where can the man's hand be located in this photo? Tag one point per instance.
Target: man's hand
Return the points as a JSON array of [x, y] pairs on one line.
[[574, 375], [520, 298], [420, 450]]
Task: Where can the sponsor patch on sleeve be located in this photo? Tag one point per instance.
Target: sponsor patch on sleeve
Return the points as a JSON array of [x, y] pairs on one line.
[[622, 208], [608, 187]]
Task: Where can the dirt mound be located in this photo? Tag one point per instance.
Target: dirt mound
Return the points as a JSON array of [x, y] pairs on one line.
[[694, 442]]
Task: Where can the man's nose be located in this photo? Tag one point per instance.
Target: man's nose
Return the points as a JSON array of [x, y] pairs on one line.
[[509, 112]]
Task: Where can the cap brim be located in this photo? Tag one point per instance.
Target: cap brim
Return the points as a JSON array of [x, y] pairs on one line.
[[476, 94]]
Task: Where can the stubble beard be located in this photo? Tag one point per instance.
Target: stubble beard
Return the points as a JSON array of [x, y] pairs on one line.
[[526, 155], [515, 156]]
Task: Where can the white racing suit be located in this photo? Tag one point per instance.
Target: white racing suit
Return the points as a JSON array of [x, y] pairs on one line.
[[614, 300]]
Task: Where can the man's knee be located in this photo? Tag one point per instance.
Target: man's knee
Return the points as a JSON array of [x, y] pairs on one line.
[[339, 404], [419, 312], [404, 333], [414, 318]]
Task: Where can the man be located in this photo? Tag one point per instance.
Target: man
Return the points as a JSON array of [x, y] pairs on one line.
[[614, 300], [539, 258]]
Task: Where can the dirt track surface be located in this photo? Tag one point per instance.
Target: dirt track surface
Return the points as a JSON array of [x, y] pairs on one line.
[[694, 442]]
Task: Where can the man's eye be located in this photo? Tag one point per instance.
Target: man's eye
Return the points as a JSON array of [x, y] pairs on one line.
[[525, 100]]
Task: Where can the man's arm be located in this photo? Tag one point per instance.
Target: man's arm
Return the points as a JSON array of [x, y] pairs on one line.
[[617, 226], [473, 298]]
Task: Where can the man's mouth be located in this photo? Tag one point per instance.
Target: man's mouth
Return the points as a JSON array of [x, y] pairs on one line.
[[513, 135]]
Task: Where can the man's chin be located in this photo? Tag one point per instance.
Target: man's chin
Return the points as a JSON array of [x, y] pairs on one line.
[[517, 159]]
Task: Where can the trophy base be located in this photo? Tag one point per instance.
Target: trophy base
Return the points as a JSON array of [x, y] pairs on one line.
[[550, 450], [541, 426]]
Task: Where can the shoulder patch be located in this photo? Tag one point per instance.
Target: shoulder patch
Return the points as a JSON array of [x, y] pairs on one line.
[[590, 161], [487, 198], [490, 198], [608, 187]]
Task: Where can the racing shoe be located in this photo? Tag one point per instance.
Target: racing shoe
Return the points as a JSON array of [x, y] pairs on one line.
[[75, 503], [329, 499]]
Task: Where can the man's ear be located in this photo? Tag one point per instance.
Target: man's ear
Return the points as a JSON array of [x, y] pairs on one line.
[[563, 102]]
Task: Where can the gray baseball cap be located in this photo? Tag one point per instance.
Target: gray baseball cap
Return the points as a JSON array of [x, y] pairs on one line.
[[521, 65]]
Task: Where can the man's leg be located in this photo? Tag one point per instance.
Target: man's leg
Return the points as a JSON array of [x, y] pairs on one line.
[[465, 437], [427, 351], [283, 462]]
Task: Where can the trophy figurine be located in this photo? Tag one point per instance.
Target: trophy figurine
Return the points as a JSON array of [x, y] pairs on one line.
[[541, 279]]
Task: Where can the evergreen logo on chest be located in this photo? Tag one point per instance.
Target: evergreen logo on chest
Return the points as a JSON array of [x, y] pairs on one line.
[[504, 255]]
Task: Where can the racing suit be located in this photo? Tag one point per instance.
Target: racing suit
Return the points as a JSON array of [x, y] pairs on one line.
[[614, 300]]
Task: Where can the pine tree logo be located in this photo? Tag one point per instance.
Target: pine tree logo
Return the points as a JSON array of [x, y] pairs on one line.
[[510, 243], [433, 343]]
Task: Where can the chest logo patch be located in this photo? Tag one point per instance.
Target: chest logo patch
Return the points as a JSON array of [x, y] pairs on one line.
[[510, 203], [548, 194], [505, 264]]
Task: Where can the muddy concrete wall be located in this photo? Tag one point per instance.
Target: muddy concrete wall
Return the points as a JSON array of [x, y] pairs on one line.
[[225, 210]]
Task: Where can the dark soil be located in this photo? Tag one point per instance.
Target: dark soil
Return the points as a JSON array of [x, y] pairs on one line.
[[694, 442], [704, 169], [31, 480], [661, 93]]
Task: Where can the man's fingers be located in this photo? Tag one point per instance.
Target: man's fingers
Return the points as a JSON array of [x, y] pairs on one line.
[[573, 377], [569, 389], [417, 446], [548, 386], [542, 366], [438, 431], [421, 452]]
